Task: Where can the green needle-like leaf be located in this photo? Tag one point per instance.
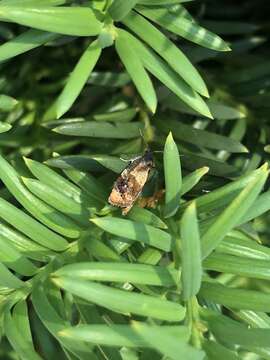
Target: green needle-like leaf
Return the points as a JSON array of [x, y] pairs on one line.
[[199, 137], [135, 231], [17, 338], [161, 2], [21, 320], [89, 185], [233, 213], [246, 248], [191, 274], [145, 216], [261, 206], [54, 323], [216, 351], [36, 3], [54, 180], [234, 333], [60, 202], [95, 163], [122, 115], [8, 279], [120, 8], [122, 301], [166, 49], [30, 227], [166, 344], [101, 129], [79, 21], [121, 272], [45, 213], [7, 103], [119, 335], [235, 298], [173, 176], [11, 257], [24, 42], [235, 265], [190, 30], [4, 127], [135, 68], [23, 244], [161, 70], [190, 180], [78, 78], [219, 198]]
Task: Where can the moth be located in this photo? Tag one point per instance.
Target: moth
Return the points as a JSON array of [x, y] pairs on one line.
[[131, 181]]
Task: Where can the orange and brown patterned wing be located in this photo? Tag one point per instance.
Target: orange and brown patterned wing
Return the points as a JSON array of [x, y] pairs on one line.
[[128, 186]]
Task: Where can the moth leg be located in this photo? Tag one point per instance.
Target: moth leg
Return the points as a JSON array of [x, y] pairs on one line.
[[126, 209]]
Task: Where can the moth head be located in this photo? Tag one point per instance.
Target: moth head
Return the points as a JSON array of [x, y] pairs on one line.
[[148, 158]]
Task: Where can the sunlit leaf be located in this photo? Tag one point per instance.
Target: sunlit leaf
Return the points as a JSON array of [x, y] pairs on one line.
[[119, 335], [166, 49], [135, 68], [78, 78], [166, 344], [191, 273], [231, 215], [63, 20], [173, 176], [135, 231], [120, 8], [185, 28], [235, 298], [122, 301], [121, 272]]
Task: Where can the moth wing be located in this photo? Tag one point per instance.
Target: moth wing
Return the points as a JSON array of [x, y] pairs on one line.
[[115, 198], [138, 178], [129, 185], [120, 199]]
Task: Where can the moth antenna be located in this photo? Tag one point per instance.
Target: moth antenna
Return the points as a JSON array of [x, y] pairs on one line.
[[143, 140], [161, 151], [125, 160], [131, 159]]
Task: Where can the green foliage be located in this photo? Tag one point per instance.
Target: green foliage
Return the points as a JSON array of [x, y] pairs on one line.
[[191, 265], [172, 183], [84, 86]]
